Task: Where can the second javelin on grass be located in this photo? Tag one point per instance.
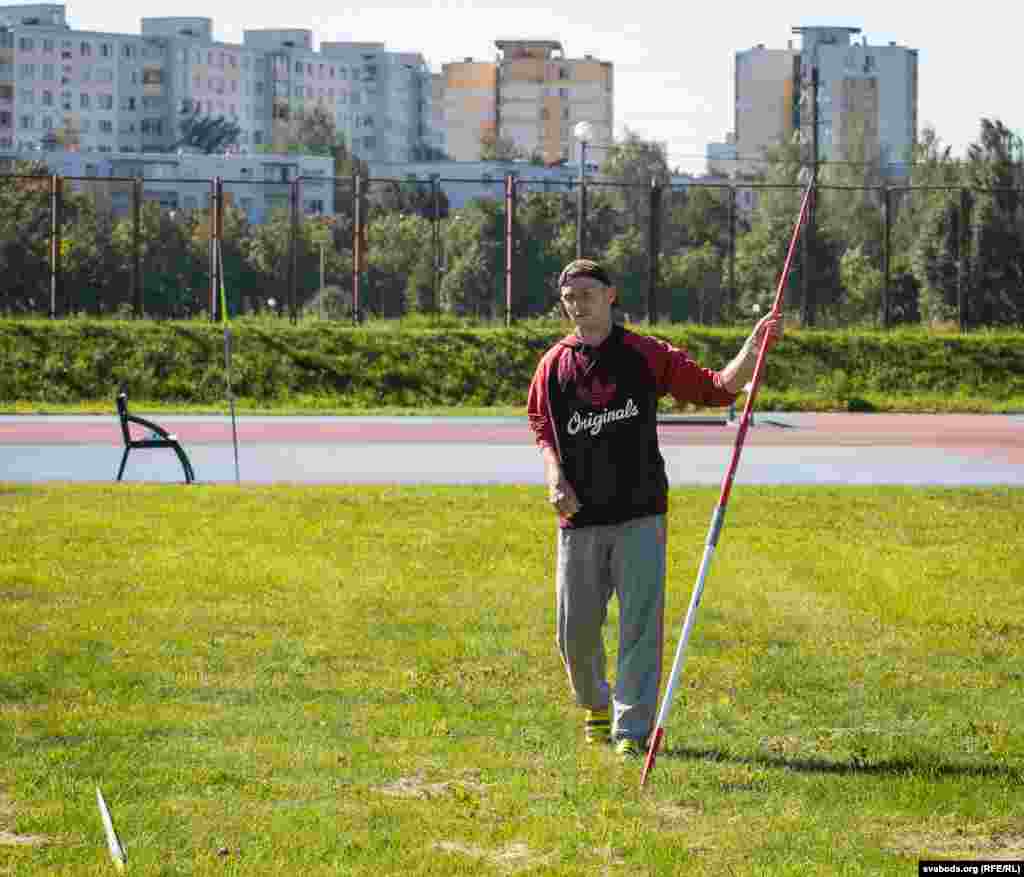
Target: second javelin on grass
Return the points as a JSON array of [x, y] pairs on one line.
[[718, 519]]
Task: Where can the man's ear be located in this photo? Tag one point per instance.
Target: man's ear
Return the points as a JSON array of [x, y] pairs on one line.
[[615, 294]]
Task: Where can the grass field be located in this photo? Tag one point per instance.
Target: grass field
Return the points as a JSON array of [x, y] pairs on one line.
[[356, 680]]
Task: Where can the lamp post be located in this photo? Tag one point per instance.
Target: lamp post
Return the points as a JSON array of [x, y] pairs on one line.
[[584, 132]]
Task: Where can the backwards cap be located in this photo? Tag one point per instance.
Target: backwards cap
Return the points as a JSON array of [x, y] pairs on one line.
[[584, 268]]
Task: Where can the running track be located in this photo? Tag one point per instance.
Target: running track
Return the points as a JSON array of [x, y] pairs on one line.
[[780, 448]]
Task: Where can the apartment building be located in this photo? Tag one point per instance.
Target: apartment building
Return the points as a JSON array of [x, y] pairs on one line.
[[255, 183], [532, 96], [61, 87], [867, 99]]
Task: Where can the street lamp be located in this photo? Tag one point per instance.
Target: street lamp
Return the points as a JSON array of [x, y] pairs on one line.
[[584, 132]]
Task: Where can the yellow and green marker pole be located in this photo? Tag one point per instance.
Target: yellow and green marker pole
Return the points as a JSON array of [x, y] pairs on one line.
[[225, 318]]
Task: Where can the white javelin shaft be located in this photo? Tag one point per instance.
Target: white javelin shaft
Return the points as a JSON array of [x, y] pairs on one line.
[[691, 615]]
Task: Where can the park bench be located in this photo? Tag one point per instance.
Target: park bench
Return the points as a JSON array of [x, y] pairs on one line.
[[157, 437]]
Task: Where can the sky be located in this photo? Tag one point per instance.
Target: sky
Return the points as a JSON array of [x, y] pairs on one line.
[[673, 64]]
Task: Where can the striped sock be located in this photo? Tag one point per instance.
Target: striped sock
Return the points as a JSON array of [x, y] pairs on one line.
[[597, 727]]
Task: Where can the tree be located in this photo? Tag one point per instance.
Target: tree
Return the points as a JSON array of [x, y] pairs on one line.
[[24, 234], [693, 281], [474, 251], [996, 293], [315, 131], [761, 252], [636, 163], [862, 282], [400, 263], [203, 132], [921, 229], [95, 278], [627, 261], [175, 280], [494, 147]]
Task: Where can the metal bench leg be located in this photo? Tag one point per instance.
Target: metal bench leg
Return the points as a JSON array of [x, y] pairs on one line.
[[190, 475], [124, 459]]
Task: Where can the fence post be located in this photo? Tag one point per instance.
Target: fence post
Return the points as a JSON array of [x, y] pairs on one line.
[[56, 203], [435, 186], [137, 300], [293, 251], [886, 253], [732, 248], [216, 208], [357, 245], [654, 252], [510, 220], [809, 310], [581, 209], [963, 258]]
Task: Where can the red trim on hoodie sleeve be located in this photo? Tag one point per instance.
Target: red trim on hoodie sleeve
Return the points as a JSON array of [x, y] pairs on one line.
[[676, 374], [538, 404]]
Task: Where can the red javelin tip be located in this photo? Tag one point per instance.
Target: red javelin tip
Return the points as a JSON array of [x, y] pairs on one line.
[[652, 754]]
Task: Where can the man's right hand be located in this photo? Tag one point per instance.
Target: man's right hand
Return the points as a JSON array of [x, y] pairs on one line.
[[560, 492]]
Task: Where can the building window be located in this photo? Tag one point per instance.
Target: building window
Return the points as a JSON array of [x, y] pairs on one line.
[[48, 46], [49, 73], [47, 123], [106, 126], [257, 138], [47, 98], [27, 97], [86, 50], [106, 101], [25, 123], [25, 44], [106, 50]]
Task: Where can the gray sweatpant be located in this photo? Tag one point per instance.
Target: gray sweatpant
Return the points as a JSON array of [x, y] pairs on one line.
[[593, 563]]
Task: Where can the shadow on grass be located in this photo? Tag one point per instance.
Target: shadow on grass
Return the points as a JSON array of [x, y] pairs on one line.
[[923, 766]]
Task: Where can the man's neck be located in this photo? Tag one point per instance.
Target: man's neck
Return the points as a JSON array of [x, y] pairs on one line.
[[594, 337]]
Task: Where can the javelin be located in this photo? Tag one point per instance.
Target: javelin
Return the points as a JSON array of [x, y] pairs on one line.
[[227, 356], [718, 519]]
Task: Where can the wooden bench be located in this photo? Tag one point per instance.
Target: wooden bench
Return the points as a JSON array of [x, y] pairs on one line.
[[158, 437]]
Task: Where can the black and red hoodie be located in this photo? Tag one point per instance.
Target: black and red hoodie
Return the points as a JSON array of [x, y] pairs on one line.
[[597, 407]]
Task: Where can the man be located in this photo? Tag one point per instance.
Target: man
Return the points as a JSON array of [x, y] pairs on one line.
[[593, 409]]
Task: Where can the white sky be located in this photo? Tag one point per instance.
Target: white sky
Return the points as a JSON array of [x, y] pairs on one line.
[[674, 63]]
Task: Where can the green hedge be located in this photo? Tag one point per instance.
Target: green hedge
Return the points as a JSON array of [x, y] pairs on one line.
[[326, 366]]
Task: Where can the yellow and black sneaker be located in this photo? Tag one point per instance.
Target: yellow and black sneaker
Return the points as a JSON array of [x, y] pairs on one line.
[[627, 748], [597, 727]]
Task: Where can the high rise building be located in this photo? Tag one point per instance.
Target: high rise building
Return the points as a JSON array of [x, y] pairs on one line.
[[867, 99], [531, 97], [127, 92]]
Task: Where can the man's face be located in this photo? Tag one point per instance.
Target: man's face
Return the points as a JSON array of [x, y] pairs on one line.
[[588, 302]]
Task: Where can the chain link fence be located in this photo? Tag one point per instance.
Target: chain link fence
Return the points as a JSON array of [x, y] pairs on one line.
[[491, 249]]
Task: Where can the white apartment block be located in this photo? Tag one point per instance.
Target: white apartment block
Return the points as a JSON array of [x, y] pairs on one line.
[[257, 183], [867, 99], [108, 93], [531, 95]]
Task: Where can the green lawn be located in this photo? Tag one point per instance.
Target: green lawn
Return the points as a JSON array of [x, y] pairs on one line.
[[363, 680]]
